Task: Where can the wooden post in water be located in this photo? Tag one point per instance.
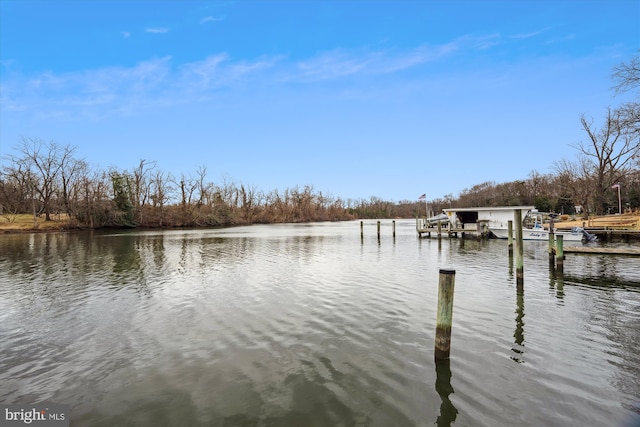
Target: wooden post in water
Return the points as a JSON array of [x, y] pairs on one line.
[[439, 229], [552, 246], [394, 228], [552, 250], [510, 236], [517, 217], [361, 229], [444, 314], [378, 230], [560, 253]]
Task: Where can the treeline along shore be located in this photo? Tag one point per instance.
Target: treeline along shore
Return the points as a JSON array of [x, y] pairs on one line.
[[47, 182], [47, 187]]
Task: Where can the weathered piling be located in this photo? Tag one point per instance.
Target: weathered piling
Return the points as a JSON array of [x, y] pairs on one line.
[[444, 313], [394, 228], [519, 332], [378, 230], [552, 249], [517, 217], [361, 229], [510, 237], [439, 229], [560, 253]]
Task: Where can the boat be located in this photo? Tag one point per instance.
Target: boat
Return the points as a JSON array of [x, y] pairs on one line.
[[538, 232], [576, 234], [442, 218]]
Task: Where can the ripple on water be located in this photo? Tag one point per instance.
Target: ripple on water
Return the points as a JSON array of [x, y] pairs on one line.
[[299, 325]]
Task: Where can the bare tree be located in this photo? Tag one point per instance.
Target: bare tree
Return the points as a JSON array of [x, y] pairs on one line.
[[45, 162], [70, 174], [627, 75], [188, 187], [201, 184], [627, 79], [95, 208], [140, 191], [611, 151], [15, 190], [575, 178], [160, 193], [249, 199]]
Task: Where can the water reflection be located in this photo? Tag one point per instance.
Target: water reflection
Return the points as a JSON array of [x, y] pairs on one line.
[[519, 331], [303, 325], [126, 255], [557, 279], [448, 412]]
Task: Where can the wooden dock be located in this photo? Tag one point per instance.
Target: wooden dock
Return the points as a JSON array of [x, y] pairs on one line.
[[449, 232], [479, 229], [602, 251], [606, 231], [609, 227]]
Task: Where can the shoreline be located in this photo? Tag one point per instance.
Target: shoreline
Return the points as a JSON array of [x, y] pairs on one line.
[[55, 226], [627, 221]]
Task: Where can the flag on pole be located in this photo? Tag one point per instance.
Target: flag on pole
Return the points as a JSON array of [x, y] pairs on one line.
[[615, 186], [424, 196]]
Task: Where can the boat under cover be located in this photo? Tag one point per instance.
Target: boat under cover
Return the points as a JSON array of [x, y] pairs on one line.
[[576, 234]]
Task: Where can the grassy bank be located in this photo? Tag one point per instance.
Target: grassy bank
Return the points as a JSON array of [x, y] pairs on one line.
[[25, 223]]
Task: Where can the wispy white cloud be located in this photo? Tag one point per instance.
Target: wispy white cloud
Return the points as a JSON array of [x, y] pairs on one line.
[[342, 63], [486, 42], [120, 90], [563, 39], [210, 19], [203, 74], [157, 30], [333, 64], [219, 71], [86, 93], [421, 55], [245, 68], [161, 82], [530, 34], [126, 34]]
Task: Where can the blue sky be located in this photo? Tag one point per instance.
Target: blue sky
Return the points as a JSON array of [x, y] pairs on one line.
[[356, 98]]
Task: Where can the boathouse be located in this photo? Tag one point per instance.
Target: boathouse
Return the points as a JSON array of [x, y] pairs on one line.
[[474, 221], [494, 216]]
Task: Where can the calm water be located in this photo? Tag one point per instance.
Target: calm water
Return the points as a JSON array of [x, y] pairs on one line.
[[307, 325]]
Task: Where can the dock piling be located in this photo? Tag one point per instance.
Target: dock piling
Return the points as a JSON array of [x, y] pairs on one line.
[[552, 249], [517, 217], [444, 313], [559, 253], [510, 237]]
